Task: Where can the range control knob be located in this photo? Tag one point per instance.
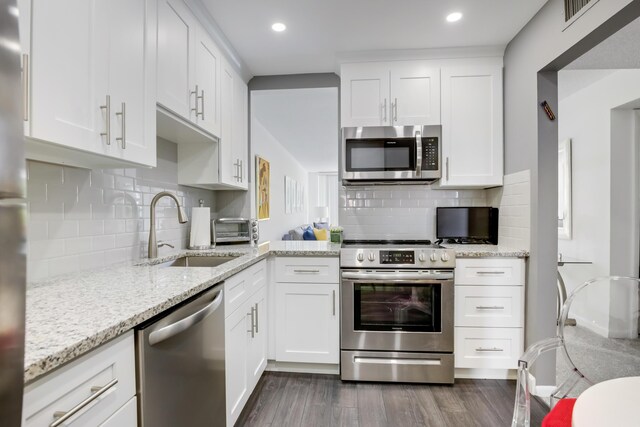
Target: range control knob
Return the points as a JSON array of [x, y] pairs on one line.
[[360, 257], [372, 256], [422, 258], [433, 257], [445, 257]]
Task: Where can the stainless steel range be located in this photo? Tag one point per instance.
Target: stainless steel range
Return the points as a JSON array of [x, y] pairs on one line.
[[396, 311]]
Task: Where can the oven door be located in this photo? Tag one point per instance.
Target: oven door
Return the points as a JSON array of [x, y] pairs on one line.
[[401, 310]]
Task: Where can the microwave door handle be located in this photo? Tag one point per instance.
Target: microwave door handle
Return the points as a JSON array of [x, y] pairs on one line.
[[418, 155]]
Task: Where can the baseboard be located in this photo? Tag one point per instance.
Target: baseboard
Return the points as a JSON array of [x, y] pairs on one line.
[[486, 374], [303, 368]]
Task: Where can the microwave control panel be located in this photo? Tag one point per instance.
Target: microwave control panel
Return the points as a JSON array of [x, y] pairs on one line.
[[430, 154]]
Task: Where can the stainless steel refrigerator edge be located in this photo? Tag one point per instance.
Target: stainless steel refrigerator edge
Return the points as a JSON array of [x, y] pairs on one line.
[[12, 220]]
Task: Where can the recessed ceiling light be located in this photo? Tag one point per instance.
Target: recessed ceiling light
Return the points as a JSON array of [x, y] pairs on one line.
[[454, 17], [278, 27]]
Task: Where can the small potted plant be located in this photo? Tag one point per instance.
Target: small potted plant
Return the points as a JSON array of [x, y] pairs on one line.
[[336, 234]]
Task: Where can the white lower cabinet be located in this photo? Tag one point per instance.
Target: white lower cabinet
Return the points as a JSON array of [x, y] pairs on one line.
[[98, 389], [245, 337], [307, 314], [489, 317]]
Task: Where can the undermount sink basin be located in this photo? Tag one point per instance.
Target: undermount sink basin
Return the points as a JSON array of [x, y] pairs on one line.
[[199, 261]]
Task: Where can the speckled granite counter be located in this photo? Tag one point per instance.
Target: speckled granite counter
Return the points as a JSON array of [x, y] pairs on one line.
[[486, 251], [72, 314]]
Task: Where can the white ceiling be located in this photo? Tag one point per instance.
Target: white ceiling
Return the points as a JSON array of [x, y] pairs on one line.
[[304, 121], [318, 30], [618, 51]]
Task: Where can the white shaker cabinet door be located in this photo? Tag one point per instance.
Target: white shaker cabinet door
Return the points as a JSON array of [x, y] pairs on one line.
[[365, 95], [258, 344], [415, 94], [132, 79], [307, 323], [176, 60], [229, 171], [237, 337], [239, 132], [472, 134], [208, 81], [68, 73]]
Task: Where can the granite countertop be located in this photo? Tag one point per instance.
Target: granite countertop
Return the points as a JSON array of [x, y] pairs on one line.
[[486, 251], [70, 315]]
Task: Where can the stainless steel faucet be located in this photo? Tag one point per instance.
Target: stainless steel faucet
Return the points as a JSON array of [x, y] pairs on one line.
[[182, 218]]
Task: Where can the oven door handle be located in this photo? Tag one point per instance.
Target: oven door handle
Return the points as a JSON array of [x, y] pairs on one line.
[[397, 277]]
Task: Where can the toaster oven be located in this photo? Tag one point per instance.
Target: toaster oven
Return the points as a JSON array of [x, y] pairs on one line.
[[234, 230]]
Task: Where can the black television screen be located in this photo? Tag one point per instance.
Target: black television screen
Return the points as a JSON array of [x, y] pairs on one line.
[[467, 223]]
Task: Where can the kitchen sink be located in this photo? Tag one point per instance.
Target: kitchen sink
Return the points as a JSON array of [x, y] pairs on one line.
[[199, 261]]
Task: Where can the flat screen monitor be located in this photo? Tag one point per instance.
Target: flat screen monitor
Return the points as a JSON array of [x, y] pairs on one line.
[[467, 223]]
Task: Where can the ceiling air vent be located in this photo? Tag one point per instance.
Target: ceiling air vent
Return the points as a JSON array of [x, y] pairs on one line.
[[572, 7]]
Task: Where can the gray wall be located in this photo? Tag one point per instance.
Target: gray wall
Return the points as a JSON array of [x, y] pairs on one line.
[[531, 139]]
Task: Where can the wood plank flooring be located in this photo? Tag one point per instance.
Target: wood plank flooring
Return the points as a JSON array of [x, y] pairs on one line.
[[304, 400]]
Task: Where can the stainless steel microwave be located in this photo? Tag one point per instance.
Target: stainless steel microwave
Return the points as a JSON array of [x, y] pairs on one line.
[[388, 154]]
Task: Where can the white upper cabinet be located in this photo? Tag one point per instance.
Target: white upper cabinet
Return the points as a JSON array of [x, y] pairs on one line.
[[188, 68], [365, 95], [472, 134], [85, 62], [207, 92], [415, 94], [176, 59], [240, 130], [390, 94], [228, 167]]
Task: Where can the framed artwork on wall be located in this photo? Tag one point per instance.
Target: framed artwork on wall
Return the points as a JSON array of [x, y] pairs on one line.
[[564, 189], [263, 182], [287, 195]]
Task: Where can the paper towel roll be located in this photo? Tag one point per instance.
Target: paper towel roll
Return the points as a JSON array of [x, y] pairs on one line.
[[200, 237]]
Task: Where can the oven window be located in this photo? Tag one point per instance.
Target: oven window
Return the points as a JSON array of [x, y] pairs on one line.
[[413, 308], [378, 155]]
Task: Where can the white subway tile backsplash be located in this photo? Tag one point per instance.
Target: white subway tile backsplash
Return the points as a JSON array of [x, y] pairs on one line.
[[81, 219], [398, 212]]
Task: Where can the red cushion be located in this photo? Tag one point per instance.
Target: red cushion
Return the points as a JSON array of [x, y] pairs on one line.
[[560, 415]]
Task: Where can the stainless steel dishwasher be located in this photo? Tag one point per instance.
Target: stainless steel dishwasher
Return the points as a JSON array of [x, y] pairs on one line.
[[181, 366]]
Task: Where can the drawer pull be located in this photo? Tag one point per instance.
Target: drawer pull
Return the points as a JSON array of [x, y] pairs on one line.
[[97, 392], [489, 307], [491, 272], [307, 271], [493, 349]]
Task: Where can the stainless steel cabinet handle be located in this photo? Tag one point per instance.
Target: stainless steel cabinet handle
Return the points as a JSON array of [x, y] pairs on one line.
[[307, 271], [395, 110], [257, 319], [384, 111], [201, 97], [334, 302], [195, 108], [25, 86], [490, 272], [447, 168], [241, 172], [492, 307], [123, 124], [418, 154], [493, 349], [107, 108], [62, 417], [253, 322], [182, 325]]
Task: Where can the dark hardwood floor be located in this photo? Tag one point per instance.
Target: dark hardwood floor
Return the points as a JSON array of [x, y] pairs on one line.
[[304, 400]]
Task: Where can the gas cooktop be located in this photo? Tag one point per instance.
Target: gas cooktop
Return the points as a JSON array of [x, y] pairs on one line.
[[388, 243]]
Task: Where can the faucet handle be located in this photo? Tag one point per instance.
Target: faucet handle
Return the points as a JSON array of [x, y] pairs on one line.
[[161, 244]]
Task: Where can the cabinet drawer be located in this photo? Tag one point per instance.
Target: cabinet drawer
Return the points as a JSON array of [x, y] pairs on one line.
[[490, 271], [110, 367], [240, 286], [127, 416], [497, 306], [490, 348], [307, 270]]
